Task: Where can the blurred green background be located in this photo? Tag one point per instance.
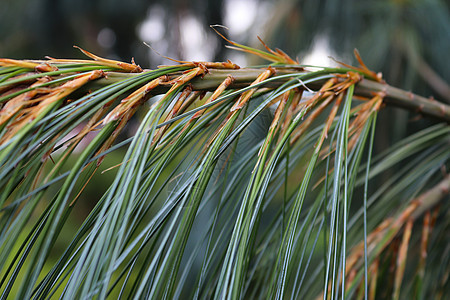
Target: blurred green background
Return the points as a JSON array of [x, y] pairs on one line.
[[407, 40]]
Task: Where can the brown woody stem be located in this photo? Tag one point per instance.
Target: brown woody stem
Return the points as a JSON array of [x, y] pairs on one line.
[[393, 96], [244, 77]]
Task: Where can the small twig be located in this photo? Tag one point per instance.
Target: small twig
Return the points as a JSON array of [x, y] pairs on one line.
[[401, 259]]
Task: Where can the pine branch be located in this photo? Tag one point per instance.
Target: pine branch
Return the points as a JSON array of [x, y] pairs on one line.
[[42, 102]]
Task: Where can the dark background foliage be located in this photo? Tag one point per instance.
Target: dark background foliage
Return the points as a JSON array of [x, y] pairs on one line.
[[405, 40]]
